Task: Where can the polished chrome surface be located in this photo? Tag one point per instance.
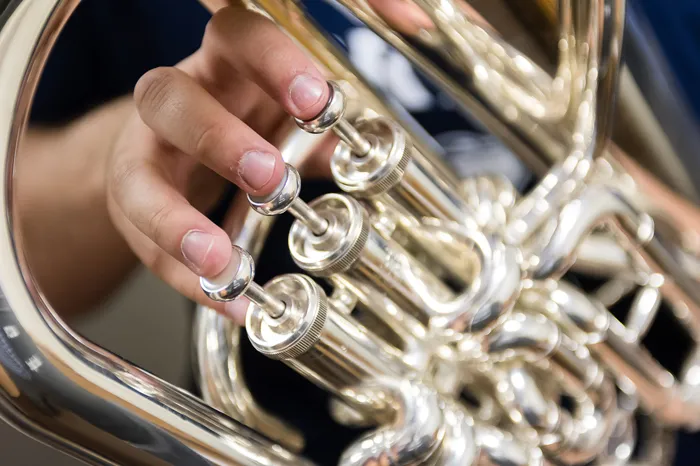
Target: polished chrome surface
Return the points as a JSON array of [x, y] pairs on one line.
[[333, 117], [391, 171], [511, 248], [441, 286], [286, 198], [55, 385], [221, 375], [413, 437], [237, 280], [282, 198], [222, 379], [340, 246]]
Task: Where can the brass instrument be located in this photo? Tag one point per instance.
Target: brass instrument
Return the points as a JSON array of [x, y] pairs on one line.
[[440, 285]]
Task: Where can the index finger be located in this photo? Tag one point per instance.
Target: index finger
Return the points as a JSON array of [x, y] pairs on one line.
[[259, 50]]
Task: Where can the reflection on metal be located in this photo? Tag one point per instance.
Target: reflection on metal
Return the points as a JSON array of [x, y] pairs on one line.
[[442, 287], [72, 394]]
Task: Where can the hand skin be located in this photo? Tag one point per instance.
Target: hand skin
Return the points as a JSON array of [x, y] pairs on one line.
[[137, 174], [406, 17], [77, 255], [129, 180], [71, 246]]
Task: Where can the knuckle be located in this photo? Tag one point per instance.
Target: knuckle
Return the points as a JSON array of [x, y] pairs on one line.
[[272, 54], [223, 24], [211, 33], [208, 140], [238, 23], [217, 24], [157, 223], [160, 264], [153, 90], [121, 178]]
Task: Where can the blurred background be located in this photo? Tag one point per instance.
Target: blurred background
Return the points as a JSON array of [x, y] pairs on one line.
[[146, 322]]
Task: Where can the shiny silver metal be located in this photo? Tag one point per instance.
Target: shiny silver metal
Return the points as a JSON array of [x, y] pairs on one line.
[[441, 286], [333, 117], [575, 437], [56, 386], [286, 198], [457, 279], [337, 353], [391, 170], [219, 370], [281, 199], [236, 280], [341, 245]]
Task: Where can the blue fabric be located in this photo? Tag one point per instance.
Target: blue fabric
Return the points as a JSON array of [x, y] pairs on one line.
[[676, 24], [107, 45]]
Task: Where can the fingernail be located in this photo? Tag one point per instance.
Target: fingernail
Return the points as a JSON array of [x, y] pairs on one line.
[[237, 310], [418, 17], [257, 168], [229, 272], [196, 246], [306, 91]]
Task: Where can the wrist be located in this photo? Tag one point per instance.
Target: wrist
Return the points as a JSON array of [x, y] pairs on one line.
[[89, 142], [60, 192]]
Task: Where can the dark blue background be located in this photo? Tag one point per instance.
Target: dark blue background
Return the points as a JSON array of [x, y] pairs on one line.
[[108, 44], [676, 24]]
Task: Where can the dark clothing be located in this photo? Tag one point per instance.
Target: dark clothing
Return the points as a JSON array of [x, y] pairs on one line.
[[677, 27], [105, 48]]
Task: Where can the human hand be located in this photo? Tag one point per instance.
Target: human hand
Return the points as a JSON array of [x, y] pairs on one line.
[[408, 18], [208, 120]]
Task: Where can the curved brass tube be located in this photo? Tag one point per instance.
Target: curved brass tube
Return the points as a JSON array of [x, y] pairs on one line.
[[671, 401], [414, 435], [222, 382], [601, 202], [499, 448], [501, 118], [576, 219], [54, 385], [533, 340], [418, 436], [583, 319], [494, 277], [109, 412], [492, 290]]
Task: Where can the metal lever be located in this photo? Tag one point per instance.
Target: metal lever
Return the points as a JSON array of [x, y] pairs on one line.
[[237, 280], [332, 117], [286, 198]]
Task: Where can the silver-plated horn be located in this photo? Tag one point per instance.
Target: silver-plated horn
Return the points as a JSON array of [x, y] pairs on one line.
[[441, 286], [57, 386]]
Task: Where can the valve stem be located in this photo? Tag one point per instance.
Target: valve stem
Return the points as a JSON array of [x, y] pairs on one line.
[[308, 216], [236, 280], [286, 198], [332, 117], [359, 145], [256, 294]]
